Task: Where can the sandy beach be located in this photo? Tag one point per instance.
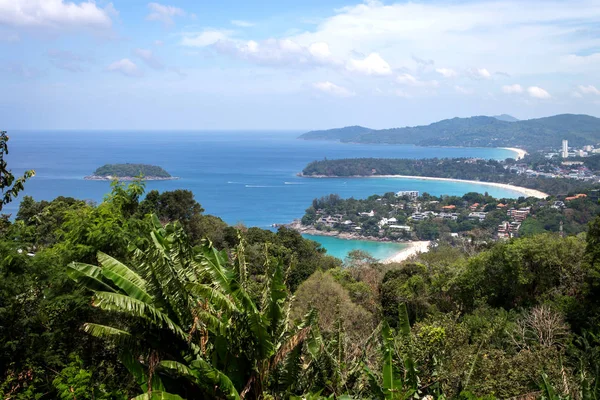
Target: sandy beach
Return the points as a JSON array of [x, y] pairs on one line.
[[412, 249], [524, 191], [520, 152]]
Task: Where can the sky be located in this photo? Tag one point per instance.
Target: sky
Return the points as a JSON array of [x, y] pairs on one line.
[[283, 64]]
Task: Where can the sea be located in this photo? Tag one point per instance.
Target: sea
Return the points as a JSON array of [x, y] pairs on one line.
[[247, 177]]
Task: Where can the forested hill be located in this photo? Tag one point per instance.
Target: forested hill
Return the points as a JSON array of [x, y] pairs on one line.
[[532, 134], [149, 172]]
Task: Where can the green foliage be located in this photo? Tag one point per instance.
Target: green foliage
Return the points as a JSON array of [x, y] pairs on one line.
[[9, 186], [131, 170], [454, 168]]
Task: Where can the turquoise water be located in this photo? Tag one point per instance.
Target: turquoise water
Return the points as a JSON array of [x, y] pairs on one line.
[[340, 247], [247, 177]]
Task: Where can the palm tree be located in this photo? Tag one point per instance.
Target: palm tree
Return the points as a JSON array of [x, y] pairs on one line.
[[184, 321]]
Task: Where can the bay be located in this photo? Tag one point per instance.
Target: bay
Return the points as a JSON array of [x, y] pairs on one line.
[[242, 177]]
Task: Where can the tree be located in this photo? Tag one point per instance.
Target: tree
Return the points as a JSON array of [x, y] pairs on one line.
[[9, 186], [189, 325]]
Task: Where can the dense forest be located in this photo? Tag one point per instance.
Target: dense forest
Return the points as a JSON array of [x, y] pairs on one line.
[[131, 170], [481, 131], [147, 297], [455, 168]]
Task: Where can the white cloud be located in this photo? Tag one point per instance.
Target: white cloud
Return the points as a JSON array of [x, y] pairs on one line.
[[149, 58], [158, 42], [511, 89], [55, 14], [164, 13], [446, 72], [333, 89], [206, 38], [478, 73], [320, 50], [589, 89], [373, 64], [463, 90], [242, 24], [126, 67], [409, 80], [538, 93], [278, 52]]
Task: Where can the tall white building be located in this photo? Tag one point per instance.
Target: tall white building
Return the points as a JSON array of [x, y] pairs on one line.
[[565, 149]]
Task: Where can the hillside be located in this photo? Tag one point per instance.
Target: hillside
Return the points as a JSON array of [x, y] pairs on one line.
[[481, 131]]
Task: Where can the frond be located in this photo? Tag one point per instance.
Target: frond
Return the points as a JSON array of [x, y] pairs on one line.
[[215, 379], [216, 298], [107, 332], [123, 277], [134, 307], [89, 276]]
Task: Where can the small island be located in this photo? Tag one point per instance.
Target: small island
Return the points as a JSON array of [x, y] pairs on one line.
[[130, 172]]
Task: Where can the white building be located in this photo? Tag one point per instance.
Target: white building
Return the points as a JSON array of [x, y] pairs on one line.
[[565, 149], [411, 194]]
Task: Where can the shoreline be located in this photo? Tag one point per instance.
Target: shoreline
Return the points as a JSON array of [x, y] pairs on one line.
[[520, 152], [519, 189], [413, 249]]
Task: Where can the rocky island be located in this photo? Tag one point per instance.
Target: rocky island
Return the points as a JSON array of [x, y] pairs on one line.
[[129, 172]]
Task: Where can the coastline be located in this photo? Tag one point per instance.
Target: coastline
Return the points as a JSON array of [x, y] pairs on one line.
[[413, 248], [520, 152], [519, 189]]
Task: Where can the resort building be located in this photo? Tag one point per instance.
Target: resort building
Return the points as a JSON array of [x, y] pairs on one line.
[[411, 194]]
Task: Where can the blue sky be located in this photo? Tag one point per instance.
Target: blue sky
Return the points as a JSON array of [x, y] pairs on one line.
[[241, 64]]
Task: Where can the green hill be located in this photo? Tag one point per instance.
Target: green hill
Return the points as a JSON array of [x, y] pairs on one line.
[[481, 131]]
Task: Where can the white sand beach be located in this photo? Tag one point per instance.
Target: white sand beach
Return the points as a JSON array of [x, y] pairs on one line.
[[524, 191], [412, 249], [520, 152]]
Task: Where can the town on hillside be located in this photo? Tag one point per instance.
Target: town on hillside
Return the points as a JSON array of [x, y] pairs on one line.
[[407, 215]]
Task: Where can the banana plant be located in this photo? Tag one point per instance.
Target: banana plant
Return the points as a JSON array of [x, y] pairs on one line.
[[187, 323], [399, 378]]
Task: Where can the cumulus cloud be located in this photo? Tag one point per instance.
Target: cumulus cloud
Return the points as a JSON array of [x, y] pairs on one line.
[[511, 89], [589, 89], [333, 89], [55, 14], [164, 13], [276, 52], [478, 73], [242, 24], [538, 93], [205, 38], [373, 64], [446, 72], [149, 58], [409, 80], [126, 67], [67, 60]]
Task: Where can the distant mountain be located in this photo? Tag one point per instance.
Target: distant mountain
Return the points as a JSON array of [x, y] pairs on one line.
[[532, 134], [506, 117]]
